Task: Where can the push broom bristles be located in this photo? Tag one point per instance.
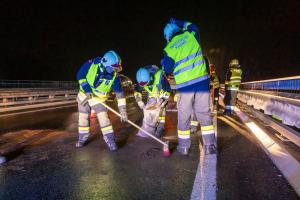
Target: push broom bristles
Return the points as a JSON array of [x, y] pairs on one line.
[[166, 150]]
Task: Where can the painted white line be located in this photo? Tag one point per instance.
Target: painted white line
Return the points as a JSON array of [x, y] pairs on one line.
[[205, 185]]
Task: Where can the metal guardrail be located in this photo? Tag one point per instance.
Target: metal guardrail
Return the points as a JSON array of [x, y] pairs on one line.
[[18, 95], [284, 109], [38, 84], [32, 99], [287, 84], [286, 131]]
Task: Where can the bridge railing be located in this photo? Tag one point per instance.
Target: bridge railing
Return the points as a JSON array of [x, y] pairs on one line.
[[287, 84], [278, 98], [20, 95], [11, 84]]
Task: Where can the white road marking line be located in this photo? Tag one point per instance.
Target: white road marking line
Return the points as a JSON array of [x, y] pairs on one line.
[[205, 184]]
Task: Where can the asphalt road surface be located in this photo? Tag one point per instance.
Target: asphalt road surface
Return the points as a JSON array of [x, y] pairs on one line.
[[50, 167]]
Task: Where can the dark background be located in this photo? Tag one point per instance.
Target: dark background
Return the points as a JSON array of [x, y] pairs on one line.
[[51, 40]]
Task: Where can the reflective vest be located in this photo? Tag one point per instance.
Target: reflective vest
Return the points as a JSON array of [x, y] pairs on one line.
[[104, 86], [155, 90], [235, 78], [189, 67]]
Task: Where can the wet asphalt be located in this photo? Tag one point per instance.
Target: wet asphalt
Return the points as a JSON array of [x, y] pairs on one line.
[[57, 170]]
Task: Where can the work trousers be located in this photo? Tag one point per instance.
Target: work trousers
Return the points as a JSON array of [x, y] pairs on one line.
[[197, 103]]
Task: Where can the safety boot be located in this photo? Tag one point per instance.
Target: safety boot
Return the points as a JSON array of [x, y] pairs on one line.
[[183, 150], [110, 141], [227, 113], [79, 144], [82, 140], [147, 128], [210, 149], [159, 130], [2, 160], [184, 146]]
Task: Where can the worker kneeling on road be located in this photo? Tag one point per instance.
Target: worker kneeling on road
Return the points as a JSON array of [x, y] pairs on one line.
[[97, 78], [232, 85], [183, 57], [151, 79]]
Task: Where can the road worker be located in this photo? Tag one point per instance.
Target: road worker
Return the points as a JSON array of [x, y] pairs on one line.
[[215, 86], [97, 77], [232, 84], [184, 59], [151, 80]]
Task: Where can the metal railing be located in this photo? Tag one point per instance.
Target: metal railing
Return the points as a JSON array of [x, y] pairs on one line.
[[287, 84], [279, 98], [19, 95], [35, 99], [12, 84]]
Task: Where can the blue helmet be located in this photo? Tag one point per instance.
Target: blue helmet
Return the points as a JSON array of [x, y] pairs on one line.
[[169, 30], [143, 77], [111, 61]]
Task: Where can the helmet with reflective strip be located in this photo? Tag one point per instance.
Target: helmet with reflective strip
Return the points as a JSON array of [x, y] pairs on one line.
[[111, 61], [143, 77], [234, 63], [169, 30]]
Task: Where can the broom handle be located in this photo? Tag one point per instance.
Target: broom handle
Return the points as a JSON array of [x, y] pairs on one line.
[[133, 124]]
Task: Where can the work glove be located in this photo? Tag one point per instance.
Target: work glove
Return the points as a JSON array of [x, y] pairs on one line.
[[124, 117], [141, 104], [164, 96]]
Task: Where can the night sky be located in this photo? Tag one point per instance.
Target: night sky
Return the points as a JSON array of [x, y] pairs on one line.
[[50, 41]]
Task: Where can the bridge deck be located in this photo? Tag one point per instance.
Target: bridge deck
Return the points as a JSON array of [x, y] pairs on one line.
[[46, 165]]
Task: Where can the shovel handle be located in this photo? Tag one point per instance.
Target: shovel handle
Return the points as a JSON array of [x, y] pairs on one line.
[[133, 124]]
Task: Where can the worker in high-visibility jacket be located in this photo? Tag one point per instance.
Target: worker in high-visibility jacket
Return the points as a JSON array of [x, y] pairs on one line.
[[183, 57], [232, 84], [97, 77], [151, 80], [215, 86]]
